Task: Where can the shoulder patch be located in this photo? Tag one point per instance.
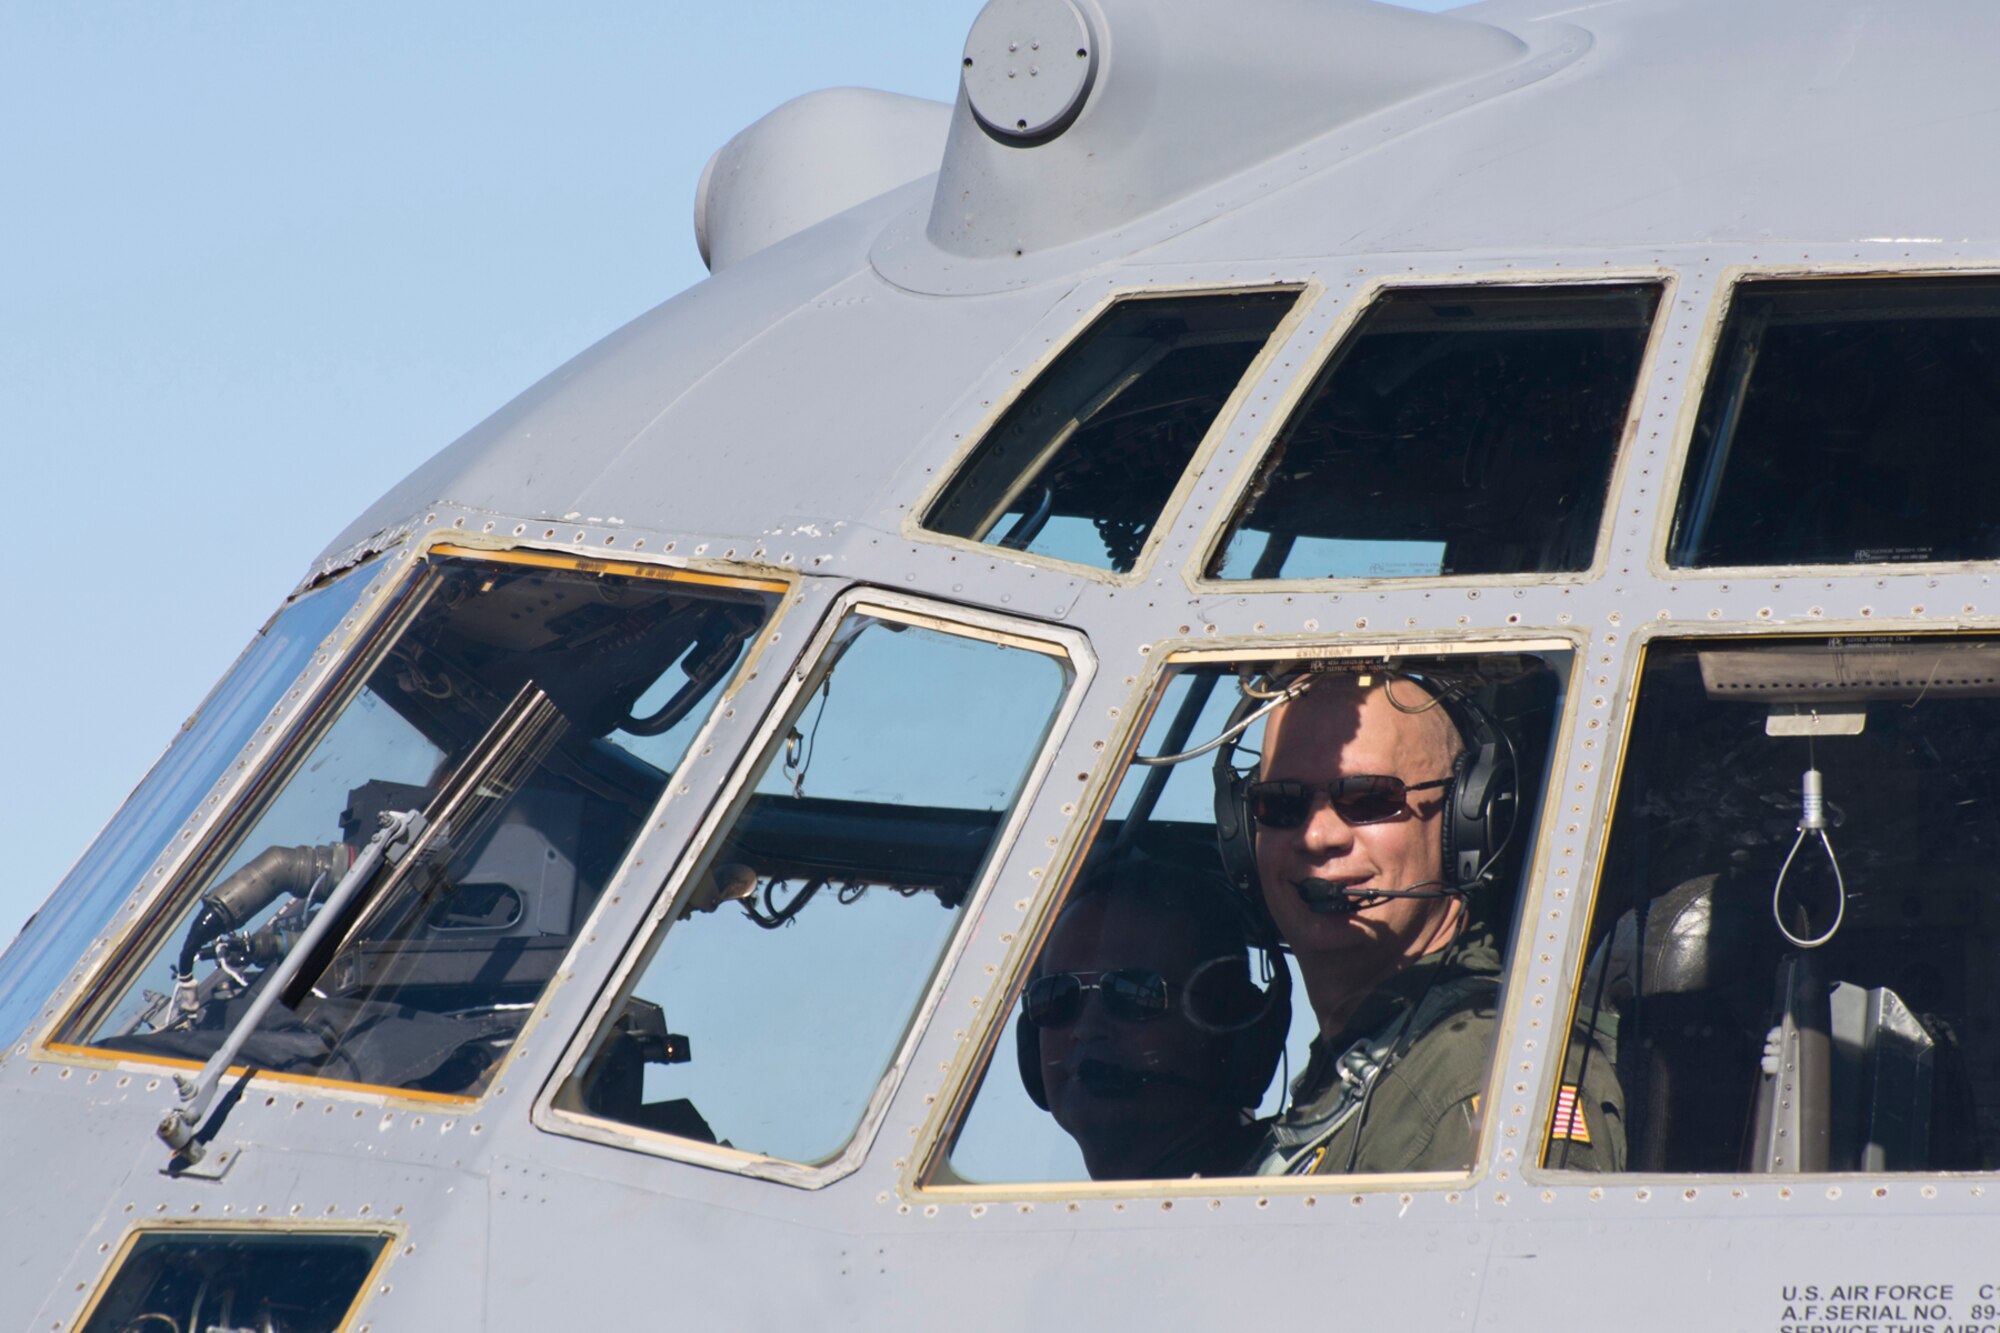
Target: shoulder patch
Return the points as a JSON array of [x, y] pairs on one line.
[[1569, 1122]]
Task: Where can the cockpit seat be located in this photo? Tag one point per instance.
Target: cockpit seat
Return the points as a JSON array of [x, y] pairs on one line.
[[1736, 1053], [1681, 986]]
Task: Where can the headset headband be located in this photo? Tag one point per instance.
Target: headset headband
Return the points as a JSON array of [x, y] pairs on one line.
[[1480, 802]]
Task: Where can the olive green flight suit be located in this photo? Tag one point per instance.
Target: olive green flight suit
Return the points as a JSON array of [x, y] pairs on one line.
[[1402, 1087]]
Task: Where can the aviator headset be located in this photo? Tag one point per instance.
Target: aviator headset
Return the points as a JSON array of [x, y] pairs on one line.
[[1219, 997], [1480, 800]]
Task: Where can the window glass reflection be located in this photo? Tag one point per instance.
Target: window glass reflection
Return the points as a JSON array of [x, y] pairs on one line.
[[1330, 893], [532, 716], [1080, 468], [1456, 431], [53, 939], [1791, 948], [806, 943], [1847, 422]]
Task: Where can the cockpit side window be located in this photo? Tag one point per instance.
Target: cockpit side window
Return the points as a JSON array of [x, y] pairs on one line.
[[778, 995], [1082, 465], [1455, 431], [525, 716], [1839, 425], [1309, 866], [1791, 949]]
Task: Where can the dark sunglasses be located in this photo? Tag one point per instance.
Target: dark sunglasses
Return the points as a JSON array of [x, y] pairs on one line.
[[1366, 798], [1130, 993], [1218, 997]]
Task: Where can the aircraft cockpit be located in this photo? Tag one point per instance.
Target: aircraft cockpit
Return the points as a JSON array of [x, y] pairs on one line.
[[394, 895], [1346, 675]]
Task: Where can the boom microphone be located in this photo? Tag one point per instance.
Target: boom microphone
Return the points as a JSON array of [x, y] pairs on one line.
[[1332, 898]]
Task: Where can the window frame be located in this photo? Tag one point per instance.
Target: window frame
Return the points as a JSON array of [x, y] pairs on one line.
[[392, 1234], [1702, 365], [232, 772], [1207, 545], [1069, 325], [985, 1042], [345, 673], [655, 930], [1576, 956], [296, 711]]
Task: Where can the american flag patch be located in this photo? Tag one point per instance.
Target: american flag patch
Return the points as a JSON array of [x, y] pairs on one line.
[[1569, 1117]]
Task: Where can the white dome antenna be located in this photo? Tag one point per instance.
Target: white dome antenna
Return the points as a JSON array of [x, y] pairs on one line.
[[813, 157], [1077, 116]]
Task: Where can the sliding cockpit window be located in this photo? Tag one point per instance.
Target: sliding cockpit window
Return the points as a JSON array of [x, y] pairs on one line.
[[505, 737], [1454, 431], [1791, 949], [1847, 421], [1081, 467], [799, 952], [1310, 868]]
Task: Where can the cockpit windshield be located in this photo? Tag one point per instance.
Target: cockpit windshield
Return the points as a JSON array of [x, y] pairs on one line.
[[1847, 421], [199, 757], [1455, 431], [1792, 948], [771, 1004], [1310, 866], [1081, 467], [529, 715]]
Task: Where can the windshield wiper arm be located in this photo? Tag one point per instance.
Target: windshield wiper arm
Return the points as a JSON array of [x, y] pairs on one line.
[[183, 1121]]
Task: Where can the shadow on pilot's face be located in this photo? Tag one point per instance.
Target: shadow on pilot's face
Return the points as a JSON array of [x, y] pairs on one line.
[[1130, 1091], [1337, 730]]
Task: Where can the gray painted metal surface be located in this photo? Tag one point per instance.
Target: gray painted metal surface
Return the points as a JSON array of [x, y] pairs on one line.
[[787, 416]]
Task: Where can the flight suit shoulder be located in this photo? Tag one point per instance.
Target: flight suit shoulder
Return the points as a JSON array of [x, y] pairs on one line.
[[1424, 1114]]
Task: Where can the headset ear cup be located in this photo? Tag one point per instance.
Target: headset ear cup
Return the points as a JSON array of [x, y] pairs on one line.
[[1464, 829], [1233, 836], [1254, 1052], [1236, 844], [1028, 1054], [1477, 818]]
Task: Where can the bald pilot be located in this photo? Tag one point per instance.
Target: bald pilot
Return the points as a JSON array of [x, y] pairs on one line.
[[1401, 974]]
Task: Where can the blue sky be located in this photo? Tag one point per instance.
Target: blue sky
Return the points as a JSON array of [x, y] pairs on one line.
[[259, 261]]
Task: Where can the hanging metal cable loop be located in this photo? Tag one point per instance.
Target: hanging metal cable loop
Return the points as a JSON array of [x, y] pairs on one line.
[[1812, 823]]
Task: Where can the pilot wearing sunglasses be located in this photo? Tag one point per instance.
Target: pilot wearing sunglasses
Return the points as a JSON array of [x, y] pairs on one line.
[[1142, 1032], [1401, 975]]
